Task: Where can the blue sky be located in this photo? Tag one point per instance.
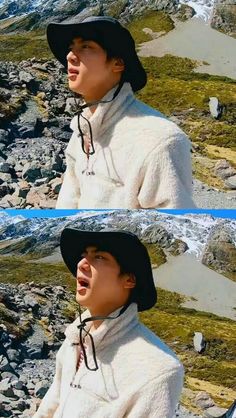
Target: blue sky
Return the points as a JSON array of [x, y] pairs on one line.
[[43, 213]]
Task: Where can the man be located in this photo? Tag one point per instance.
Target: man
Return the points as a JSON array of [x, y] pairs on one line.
[[110, 365], [122, 153]]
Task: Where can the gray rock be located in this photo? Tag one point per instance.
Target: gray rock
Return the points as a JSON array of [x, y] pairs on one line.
[[199, 342], [4, 400], [5, 177], [26, 131], [31, 171], [4, 136], [71, 105], [56, 185], [41, 182], [214, 412], [19, 385], [5, 167], [25, 77], [31, 302], [34, 352], [223, 169], [203, 400], [230, 182], [48, 171], [4, 365], [20, 394], [215, 107], [6, 389], [8, 375], [13, 355], [41, 388], [47, 204], [4, 190]]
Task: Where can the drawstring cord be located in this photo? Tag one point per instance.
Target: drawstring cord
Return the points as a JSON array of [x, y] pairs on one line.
[[89, 149], [82, 329]]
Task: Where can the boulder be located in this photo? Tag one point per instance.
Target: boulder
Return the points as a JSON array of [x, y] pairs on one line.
[[35, 196], [223, 169], [47, 203], [13, 355], [214, 412], [41, 388], [6, 389], [5, 177], [224, 16], [230, 182], [203, 400], [10, 201], [31, 302], [5, 167], [31, 171], [215, 107], [29, 80], [199, 342], [220, 250], [4, 136], [56, 185]]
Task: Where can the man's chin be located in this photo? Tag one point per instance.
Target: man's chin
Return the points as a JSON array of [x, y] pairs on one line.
[[80, 299], [74, 87]]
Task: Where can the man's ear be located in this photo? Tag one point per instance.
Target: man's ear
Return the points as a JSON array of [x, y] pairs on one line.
[[130, 281], [118, 65]]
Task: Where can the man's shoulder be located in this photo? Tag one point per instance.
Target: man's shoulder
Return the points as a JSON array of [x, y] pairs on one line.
[[150, 121], [152, 352]]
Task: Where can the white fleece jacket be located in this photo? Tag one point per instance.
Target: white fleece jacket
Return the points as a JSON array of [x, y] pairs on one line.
[[138, 375], [141, 160]]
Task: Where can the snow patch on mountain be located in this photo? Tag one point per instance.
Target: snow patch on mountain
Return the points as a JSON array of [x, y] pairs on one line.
[[193, 229], [6, 219], [202, 8]]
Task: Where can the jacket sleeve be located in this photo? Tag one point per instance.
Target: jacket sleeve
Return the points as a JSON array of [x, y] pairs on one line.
[[166, 178], [69, 194], [51, 400], [159, 398]]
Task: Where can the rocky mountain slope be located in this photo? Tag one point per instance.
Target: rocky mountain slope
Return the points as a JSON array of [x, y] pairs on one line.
[[175, 234], [34, 14], [224, 16], [30, 15]]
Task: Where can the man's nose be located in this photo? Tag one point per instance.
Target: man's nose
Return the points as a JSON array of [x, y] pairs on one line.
[[83, 264], [72, 57]]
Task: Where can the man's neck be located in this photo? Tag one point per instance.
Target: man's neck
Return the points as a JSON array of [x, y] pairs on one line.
[[98, 97], [96, 324]]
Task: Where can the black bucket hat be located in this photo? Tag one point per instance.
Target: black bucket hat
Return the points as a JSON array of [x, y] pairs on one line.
[[129, 252], [108, 33]]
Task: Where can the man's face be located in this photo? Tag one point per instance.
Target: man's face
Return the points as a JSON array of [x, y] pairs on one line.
[[100, 286], [89, 70]]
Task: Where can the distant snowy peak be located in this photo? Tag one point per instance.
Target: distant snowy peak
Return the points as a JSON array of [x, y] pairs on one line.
[[193, 229], [6, 219], [202, 8]]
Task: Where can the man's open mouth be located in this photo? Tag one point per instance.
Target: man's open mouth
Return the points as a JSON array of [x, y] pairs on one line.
[[83, 283]]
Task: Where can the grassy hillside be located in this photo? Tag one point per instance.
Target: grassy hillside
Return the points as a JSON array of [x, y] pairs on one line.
[[212, 371], [21, 46]]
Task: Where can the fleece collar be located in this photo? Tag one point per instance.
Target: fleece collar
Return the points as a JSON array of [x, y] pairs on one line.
[[106, 114], [110, 330]]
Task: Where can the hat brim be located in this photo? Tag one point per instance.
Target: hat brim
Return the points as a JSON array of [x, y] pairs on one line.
[[74, 242], [60, 36]]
